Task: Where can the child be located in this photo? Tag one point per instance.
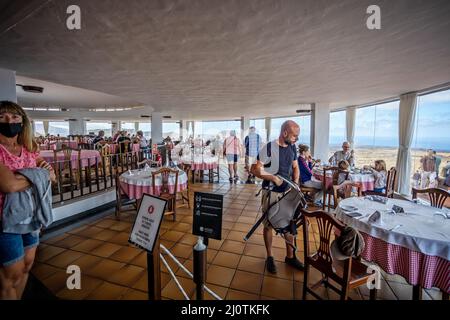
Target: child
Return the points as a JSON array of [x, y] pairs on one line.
[[340, 178], [379, 171]]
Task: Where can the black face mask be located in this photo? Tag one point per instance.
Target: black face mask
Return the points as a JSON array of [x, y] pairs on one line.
[[10, 130]]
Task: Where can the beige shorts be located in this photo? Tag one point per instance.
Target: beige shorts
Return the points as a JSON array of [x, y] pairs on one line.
[[266, 202]]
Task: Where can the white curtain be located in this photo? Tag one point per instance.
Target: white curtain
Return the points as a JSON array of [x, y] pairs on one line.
[[350, 125], [45, 124], [407, 117]]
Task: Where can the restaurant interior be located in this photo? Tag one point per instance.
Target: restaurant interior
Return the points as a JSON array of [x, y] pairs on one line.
[[138, 101]]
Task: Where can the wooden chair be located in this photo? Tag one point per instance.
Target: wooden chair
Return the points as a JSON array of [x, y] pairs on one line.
[[122, 199], [351, 275], [328, 192], [390, 185], [165, 193], [437, 196], [65, 173], [84, 146], [346, 189]]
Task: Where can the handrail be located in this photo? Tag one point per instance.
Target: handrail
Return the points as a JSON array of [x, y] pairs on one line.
[[174, 277]]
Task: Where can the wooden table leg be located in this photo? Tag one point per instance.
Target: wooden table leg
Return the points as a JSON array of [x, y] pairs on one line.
[[417, 292]]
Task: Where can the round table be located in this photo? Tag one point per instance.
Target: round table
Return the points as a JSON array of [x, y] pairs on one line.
[[137, 182], [414, 244], [366, 180], [201, 163], [92, 155]]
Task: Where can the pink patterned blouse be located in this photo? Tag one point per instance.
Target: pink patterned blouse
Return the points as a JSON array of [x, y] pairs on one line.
[[26, 159]]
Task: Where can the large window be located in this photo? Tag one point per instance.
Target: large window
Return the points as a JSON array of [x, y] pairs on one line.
[[39, 128], [146, 128], [376, 134], [95, 127], [171, 129], [60, 128], [432, 128], [210, 129], [260, 126], [129, 127], [338, 132], [303, 121]]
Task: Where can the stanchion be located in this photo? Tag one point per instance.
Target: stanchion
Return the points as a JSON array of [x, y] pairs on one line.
[[154, 273], [200, 267]]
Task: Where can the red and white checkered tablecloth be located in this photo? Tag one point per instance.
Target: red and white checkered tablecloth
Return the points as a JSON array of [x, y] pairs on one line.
[[417, 268], [207, 163], [367, 181]]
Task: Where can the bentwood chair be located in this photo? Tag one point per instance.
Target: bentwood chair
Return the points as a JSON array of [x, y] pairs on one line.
[[437, 196], [390, 185], [164, 189], [349, 274]]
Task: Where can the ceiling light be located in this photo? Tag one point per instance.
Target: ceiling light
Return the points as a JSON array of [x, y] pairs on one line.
[[32, 89]]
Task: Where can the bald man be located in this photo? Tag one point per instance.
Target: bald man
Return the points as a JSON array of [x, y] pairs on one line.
[[278, 157], [344, 154]]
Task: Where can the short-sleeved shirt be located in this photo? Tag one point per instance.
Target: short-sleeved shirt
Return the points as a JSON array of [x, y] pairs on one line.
[[26, 159], [232, 145], [286, 156]]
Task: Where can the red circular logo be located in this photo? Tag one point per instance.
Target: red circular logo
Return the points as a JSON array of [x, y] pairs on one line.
[[151, 209]]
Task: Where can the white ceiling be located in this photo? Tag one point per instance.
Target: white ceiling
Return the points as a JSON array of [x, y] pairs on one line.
[[220, 59]]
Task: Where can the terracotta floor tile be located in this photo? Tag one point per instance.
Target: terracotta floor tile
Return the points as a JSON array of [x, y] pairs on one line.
[[240, 295], [280, 253], [220, 276], [87, 261], [243, 227], [64, 259], [56, 239], [47, 253], [105, 250], [88, 285], [56, 281], [227, 225], [121, 226], [252, 264], [256, 239], [233, 246], [210, 255], [237, 236], [247, 281], [87, 245], [278, 288], [189, 239], [250, 213], [172, 291], [70, 241], [107, 291], [255, 250], [230, 217], [140, 260], [126, 276], [43, 271], [182, 250], [189, 264], [168, 244], [187, 219], [76, 230], [105, 235], [248, 220], [215, 244], [284, 271], [134, 295], [104, 269], [125, 254], [90, 232], [227, 259], [182, 227], [120, 238], [218, 290], [173, 235], [105, 223], [172, 264]]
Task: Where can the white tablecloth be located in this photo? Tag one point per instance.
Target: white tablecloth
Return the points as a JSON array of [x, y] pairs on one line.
[[420, 229]]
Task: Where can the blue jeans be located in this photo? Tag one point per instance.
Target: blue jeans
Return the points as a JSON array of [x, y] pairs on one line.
[[13, 246], [380, 190]]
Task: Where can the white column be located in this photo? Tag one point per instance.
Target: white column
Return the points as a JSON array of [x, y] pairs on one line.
[[136, 127], [46, 124], [33, 127], [407, 118], [350, 115], [320, 121], [184, 129], [245, 125], [157, 127], [77, 127], [268, 128], [8, 85], [114, 127]]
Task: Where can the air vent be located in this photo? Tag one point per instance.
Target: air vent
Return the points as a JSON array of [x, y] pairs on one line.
[[145, 116], [32, 89], [64, 109], [70, 120], [303, 111], [167, 117]]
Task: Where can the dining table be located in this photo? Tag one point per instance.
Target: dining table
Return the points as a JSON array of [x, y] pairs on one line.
[[365, 178], [403, 237], [139, 181], [88, 157]]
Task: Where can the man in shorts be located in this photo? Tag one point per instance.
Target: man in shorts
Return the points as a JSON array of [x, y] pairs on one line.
[[278, 157]]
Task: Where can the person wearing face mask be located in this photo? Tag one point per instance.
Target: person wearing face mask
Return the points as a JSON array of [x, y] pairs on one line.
[[278, 157], [18, 151]]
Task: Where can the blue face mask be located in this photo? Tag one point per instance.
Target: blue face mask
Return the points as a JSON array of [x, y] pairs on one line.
[[10, 130]]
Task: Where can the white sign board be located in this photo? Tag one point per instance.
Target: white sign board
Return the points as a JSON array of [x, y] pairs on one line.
[[147, 223]]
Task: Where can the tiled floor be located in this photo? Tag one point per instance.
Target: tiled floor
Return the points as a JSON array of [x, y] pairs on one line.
[[113, 269]]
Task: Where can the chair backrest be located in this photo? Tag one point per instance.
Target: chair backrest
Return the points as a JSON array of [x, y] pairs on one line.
[[437, 196], [124, 146], [165, 174], [334, 172], [325, 223], [105, 150], [390, 182]]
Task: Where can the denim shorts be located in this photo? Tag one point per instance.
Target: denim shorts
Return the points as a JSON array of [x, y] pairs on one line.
[[232, 158], [13, 246]]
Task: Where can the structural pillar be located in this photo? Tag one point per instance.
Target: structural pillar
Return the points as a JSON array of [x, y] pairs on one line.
[[77, 127], [320, 130], [268, 128], [157, 128], [245, 125], [8, 85]]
